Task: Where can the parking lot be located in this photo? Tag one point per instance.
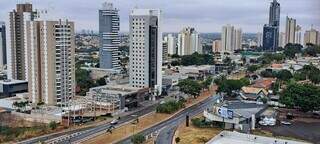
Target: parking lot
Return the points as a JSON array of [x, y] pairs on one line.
[[308, 131]]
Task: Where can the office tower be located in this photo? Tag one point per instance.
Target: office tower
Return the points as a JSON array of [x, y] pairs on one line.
[[145, 49], [311, 36], [291, 25], [274, 14], [231, 38], [19, 57], [109, 26], [3, 46], [259, 39], [270, 40], [282, 39], [216, 46], [50, 46], [189, 42], [298, 35], [172, 44], [271, 30]]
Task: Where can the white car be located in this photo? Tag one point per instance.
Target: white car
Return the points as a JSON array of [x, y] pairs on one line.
[[286, 123], [114, 122]]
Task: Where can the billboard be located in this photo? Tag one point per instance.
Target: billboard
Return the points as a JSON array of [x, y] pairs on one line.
[[225, 112]]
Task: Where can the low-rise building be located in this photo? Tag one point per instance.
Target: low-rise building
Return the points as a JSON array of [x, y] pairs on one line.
[[9, 88], [235, 114], [228, 137], [113, 98], [253, 93], [197, 72]]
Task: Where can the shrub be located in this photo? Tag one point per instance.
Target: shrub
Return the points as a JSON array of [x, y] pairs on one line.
[[170, 107], [53, 125], [138, 139]]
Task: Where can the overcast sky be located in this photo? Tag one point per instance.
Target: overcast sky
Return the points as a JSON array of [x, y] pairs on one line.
[[204, 15]]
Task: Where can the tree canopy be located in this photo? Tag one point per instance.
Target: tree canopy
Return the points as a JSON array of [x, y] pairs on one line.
[[228, 86], [197, 59], [290, 50], [191, 87], [303, 96]]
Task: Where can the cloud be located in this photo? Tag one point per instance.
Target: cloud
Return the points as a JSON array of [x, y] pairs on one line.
[[205, 15]]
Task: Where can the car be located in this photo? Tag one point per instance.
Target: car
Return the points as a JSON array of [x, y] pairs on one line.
[[114, 122], [286, 123]]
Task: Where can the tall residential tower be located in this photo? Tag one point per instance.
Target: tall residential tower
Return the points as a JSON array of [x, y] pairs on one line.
[[189, 42], [3, 47], [51, 72], [109, 26], [291, 25], [19, 57], [145, 49]]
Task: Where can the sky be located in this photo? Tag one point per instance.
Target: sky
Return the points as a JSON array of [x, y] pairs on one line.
[[205, 15]]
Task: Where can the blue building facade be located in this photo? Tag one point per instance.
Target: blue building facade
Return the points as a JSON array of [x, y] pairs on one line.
[[109, 26], [271, 30]]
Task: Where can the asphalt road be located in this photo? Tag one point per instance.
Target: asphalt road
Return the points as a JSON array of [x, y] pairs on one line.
[[166, 128], [79, 134]]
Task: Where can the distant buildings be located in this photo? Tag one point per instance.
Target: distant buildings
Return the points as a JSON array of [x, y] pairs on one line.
[[51, 63], [3, 46], [145, 49], [216, 46], [271, 30], [165, 54], [291, 25], [231, 39], [109, 26], [189, 42], [311, 36], [259, 39], [282, 39], [19, 57], [298, 38], [172, 44]]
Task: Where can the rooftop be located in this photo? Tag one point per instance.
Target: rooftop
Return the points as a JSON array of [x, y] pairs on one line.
[[227, 137], [253, 90], [265, 83], [6, 82]]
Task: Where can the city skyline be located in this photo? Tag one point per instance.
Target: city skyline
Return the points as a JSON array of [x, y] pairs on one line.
[[205, 16]]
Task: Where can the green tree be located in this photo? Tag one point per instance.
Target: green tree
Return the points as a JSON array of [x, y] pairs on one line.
[[303, 96], [53, 125], [228, 86], [177, 139], [253, 68], [290, 50], [190, 87], [284, 75], [138, 139], [207, 82]]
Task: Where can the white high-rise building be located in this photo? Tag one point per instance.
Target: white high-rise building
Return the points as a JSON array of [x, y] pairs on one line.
[[231, 38], [189, 42], [291, 25], [172, 44], [282, 39], [146, 49], [259, 39]]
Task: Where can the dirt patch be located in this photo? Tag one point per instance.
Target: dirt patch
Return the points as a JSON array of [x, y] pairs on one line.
[[195, 135]]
